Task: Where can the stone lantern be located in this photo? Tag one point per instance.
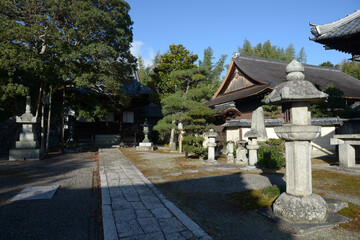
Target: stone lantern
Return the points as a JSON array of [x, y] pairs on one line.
[[211, 145], [145, 144], [252, 145], [27, 146], [295, 95]]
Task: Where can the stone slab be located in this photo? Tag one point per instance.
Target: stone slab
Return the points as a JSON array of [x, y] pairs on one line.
[[36, 193], [25, 154], [25, 144], [332, 220]]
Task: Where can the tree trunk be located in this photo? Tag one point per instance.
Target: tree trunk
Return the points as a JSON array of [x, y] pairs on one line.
[[48, 122], [62, 120], [39, 101], [42, 126]]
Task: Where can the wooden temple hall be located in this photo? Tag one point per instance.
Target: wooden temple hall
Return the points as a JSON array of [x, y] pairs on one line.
[[250, 79]]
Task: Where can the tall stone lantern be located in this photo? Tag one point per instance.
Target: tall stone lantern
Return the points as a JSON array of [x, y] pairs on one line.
[[295, 95]]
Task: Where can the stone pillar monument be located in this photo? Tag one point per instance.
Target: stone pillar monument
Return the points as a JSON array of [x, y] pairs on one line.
[[211, 145], [252, 145], [230, 152], [298, 204], [26, 147]]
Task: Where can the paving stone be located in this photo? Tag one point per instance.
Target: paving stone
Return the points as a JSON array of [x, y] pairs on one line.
[[128, 228], [174, 236], [121, 204], [187, 234], [161, 212], [133, 197], [137, 205], [153, 236], [174, 174], [143, 213], [149, 224], [126, 214], [191, 171], [151, 202], [115, 192], [170, 225]]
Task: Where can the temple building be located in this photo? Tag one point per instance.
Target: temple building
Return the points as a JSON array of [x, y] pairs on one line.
[[250, 79], [342, 35]]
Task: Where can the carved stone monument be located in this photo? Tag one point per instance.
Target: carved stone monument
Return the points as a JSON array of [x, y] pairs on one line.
[[26, 147], [211, 145], [258, 123], [241, 153], [298, 204]]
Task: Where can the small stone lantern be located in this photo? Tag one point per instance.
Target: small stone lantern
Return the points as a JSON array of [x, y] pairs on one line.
[[252, 145], [27, 146], [211, 145], [145, 144], [295, 95]]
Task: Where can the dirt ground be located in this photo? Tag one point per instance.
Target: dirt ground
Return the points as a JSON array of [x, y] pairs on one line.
[[204, 197]]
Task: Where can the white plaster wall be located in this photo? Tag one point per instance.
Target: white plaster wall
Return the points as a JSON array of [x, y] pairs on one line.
[[232, 134], [320, 146]]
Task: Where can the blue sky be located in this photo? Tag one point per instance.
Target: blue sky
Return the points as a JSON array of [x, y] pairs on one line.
[[223, 25]]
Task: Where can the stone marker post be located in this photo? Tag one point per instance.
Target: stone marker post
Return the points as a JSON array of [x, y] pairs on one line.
[[252, 145], [258, 123], [211, 145], [298, 204], [230, 152]]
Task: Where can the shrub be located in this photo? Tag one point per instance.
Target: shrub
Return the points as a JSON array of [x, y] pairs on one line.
[[271, 154]]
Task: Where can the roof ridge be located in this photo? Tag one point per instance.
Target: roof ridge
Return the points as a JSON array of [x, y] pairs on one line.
[[318, 30], [286, 62]]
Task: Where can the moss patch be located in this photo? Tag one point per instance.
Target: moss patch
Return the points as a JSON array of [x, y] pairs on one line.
[[353, 211], [338, 182], [252, 200]]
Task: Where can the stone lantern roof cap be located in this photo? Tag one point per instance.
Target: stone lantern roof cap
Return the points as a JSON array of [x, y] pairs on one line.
[[296, 88], [253, 133]]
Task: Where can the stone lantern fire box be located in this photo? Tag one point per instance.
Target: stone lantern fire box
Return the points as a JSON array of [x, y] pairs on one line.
[[295, 95]]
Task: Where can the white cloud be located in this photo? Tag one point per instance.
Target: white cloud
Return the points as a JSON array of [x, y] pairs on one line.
[[136, 48], [146, 53]]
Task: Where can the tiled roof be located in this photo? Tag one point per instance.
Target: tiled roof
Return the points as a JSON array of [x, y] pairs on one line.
[[342, 35], [343, 27], [277, 122], [272, 73]]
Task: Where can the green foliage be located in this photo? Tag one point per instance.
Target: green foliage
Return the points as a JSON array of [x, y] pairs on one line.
[[195, 124], [266, 50], [271, 154], [83, 44], [351, 68], [271, 192], [214, 70], [189, 78], [270, 111], [175, 59], [329, 64], [334, 103]]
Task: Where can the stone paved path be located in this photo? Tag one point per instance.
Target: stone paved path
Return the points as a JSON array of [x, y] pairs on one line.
[[134, 209]]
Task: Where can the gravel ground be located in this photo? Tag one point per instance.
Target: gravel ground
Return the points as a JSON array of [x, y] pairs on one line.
[[205, 200], [70, 214]]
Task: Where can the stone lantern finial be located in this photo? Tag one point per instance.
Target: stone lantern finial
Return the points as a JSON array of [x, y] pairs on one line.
[[295, 71]]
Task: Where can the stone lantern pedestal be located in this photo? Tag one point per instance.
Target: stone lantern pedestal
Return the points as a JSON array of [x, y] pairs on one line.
[[211, 146], [27, 146], [298, 203], [252, 146]]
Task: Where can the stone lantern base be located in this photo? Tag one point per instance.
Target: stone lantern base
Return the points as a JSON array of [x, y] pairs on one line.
[[312, 208], [145, 146]]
